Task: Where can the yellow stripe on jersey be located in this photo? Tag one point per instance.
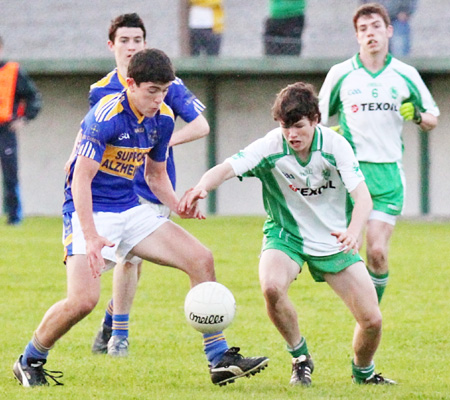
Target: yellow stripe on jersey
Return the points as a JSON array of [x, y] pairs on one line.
[[166, 110], [109, 106], [104, 81], [106, 99], [122, 161], [122, 80], [136, 112], [68, 240]]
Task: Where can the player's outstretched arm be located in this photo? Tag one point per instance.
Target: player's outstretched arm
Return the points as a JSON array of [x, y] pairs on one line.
[[159, 183], [360, 215], [196, 129], [211, 180]]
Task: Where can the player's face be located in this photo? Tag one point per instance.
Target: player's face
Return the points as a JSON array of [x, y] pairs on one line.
[[148, 96], [300, 136], [127, 42], [372, 34]]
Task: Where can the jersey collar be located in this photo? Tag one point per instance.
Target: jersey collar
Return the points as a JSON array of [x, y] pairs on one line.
[[373, 74], [121, 79], [316, 145]]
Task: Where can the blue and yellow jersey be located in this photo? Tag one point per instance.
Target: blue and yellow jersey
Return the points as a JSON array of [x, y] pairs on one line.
[[179, 98], [118, 137]]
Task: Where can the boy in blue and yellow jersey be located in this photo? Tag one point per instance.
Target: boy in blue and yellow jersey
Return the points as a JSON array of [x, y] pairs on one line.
[[104, 222], [127, 35]]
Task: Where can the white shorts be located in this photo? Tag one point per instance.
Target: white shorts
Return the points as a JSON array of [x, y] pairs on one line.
[[384, 217], [161, 209], [125, 229]]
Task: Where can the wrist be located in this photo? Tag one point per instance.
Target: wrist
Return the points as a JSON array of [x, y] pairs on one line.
[[417, 115]]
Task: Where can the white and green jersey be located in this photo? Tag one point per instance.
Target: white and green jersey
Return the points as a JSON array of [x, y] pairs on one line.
[[303, 200], [368, 105]]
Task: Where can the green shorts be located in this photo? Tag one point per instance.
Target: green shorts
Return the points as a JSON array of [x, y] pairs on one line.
[[318, 265], [386, 186]]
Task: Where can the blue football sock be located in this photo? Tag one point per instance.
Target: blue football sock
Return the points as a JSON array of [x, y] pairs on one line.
[[120, 324], [108, 320], [215, 345], [34, 350]]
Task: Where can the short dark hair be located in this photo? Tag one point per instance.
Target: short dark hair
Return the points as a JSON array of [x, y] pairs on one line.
[[151, 65], [368, 9], [295, 102], [128, 21]]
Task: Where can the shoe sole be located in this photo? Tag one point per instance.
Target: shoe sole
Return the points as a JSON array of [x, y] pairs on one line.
[[255, 370], [118, 355]]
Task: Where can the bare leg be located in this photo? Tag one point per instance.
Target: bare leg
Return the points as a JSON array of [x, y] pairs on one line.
[[124, 287], [83, 292], [172, 246], [356, 289], [276, 273], [378, 236]]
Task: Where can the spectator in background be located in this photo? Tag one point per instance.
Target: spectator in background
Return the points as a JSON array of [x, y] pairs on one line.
[[284, 27], [400, 12], [206, 22], [20, 102]]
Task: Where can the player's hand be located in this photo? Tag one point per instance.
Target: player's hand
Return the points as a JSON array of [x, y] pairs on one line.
[[190, 198], [94, 246], [410, 112], [347, 240], [337, 128], [192, 213]]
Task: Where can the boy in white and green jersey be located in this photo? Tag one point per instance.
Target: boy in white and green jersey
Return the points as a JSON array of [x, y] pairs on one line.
[[373, 94], [306, 171]]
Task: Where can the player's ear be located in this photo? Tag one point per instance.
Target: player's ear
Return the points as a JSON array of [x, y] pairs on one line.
[[131, 83], [110, 45]]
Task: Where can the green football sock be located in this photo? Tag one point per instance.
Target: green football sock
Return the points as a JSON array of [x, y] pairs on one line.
[[300, 349], [380, 282], [360, 374]]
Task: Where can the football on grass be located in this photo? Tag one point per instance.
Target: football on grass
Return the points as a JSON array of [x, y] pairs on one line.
[[209, 307]]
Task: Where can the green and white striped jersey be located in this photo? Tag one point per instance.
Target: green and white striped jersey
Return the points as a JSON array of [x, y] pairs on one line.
[[368, 105], [303, 200]]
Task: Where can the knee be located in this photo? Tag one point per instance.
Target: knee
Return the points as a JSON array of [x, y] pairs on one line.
[[271, 292], [81, 306], [203, 266], [372, 323], [377, 254]]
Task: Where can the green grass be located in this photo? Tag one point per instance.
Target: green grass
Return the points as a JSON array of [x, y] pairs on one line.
[[167, 360]]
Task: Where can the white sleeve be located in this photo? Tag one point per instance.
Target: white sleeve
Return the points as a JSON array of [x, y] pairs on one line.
[[325, 94], [346, 163], [248, 158], [428, 102]]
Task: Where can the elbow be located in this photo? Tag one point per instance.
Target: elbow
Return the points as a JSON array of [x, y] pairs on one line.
[[205, 131], [429, 123]]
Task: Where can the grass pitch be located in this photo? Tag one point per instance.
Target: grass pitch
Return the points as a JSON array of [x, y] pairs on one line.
[[167, 360]]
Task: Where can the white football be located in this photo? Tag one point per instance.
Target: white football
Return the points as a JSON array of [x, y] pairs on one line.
[[209, 307]]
